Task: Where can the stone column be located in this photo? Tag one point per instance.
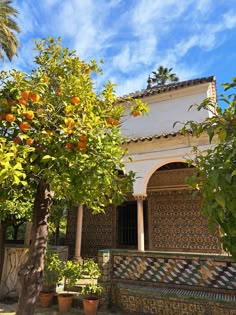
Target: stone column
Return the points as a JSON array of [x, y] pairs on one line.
[[78, 233], [140, 221]]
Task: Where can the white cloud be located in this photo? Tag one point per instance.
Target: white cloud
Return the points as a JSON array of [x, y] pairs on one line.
[[133, 37]]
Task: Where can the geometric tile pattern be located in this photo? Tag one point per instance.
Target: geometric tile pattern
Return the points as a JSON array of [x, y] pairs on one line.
[[199, 272], [177, 223], [96, 232], [142, 301]]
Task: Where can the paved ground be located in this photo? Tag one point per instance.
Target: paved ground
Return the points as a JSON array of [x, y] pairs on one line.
[[9, 309]]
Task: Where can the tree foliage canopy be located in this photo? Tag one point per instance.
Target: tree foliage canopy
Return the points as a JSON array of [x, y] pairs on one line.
[[54, 128], [59, 139], [216, 167]]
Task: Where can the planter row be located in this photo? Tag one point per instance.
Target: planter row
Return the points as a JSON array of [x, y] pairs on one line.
[[90, 304]]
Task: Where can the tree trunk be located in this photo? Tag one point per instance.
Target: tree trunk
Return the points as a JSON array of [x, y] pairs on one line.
[[31, 273], [3, 228]]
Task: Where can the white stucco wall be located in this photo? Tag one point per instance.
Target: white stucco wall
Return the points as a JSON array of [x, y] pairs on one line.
[[165, 109]]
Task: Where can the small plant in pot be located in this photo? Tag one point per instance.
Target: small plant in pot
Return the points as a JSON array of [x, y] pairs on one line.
[[92, 290], [71, 272], [51, 276]]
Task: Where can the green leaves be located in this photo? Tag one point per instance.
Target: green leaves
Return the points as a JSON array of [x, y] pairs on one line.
[[216, 171], [63, 131]]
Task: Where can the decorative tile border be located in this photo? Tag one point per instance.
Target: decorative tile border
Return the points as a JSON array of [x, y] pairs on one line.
[[198, 272]]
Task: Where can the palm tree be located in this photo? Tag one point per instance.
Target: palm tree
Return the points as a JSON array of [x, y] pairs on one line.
[[8, 27], [163, 76]]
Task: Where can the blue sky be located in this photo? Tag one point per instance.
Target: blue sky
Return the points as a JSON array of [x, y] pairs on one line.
[[196, 38]]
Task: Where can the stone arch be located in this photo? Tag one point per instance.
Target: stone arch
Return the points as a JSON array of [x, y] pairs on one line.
[[159, 166], [176, 222]]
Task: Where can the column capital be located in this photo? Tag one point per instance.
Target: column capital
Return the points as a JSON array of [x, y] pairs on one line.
[[139, 196]]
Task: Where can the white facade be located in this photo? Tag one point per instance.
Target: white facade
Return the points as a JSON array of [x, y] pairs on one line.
[[152, 139]]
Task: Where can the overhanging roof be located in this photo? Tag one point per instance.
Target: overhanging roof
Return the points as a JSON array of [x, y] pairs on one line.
[[150, 138], [170, 87]]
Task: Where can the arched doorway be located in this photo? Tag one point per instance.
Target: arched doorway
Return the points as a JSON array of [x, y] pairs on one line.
[[176, 221]]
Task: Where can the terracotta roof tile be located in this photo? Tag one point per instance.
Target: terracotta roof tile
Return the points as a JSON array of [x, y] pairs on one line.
[[170, 87], [150, 138]]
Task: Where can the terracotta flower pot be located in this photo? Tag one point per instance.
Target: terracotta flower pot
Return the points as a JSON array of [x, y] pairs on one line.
[[64, 301], [90, 305], [45, 298]]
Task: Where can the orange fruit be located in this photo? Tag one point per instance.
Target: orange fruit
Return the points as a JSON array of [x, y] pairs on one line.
[[25, 126], [34, 97], [29, 115], [17, 140], [83, 138], [25, 95], [81, 144], [10, 103], [22, 101], [136, 114], [10, 117], [109, 120], [112, 121], [115, 122], [69, 146], [29, 141], [75, 100]]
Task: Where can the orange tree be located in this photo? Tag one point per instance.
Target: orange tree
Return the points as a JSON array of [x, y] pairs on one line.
[[216, 167], [62, 139]]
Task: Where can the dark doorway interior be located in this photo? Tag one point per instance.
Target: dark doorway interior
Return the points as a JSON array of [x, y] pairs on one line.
[[127, 224]]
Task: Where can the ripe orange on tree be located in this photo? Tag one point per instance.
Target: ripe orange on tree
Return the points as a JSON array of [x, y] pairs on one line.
[[34, 97], [81, 144], [83, 138], [115, 122], [25, 126], [136, 114], [29, 141], [22, 101], [29, 115], [10, 118], [17, 140], [25, 95], [112, 121], [69, 146], [75, 100]]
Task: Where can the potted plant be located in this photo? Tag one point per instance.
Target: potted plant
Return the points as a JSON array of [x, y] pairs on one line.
[[51, 276], [71, 272], [91, 291]]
